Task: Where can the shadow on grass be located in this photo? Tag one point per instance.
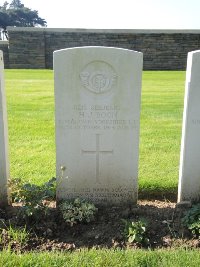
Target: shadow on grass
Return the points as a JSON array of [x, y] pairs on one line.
[[158, 194]]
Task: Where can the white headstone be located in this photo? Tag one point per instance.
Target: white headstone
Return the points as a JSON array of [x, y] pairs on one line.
[[4, 164], [189, 173], [97, 102]]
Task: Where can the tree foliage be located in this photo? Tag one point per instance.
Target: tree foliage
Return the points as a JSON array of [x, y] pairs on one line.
[[16, 4], [16, 14]]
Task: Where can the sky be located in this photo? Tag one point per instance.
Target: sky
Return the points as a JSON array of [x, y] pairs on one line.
[[118, 14]]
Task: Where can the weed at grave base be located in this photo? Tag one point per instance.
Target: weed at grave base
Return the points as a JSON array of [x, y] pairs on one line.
[[135, 231], [77, 211], [191, 220], [14, 237], [32, 198]]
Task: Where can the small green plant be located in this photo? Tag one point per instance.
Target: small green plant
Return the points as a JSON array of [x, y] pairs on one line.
[[77, 211], [14, 236], [30, 192], [191, 220], [135, 231], [33, 197]]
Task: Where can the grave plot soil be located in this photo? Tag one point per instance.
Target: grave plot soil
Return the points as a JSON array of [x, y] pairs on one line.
[[163, 218]]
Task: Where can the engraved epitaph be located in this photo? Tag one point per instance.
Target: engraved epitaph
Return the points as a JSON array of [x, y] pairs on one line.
[[4, 164], [97, 102], [189, 173]]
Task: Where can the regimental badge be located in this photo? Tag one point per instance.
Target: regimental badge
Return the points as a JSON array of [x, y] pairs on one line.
[[98, 77]]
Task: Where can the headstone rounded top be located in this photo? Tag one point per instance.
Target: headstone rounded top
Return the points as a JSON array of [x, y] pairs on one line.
[[90, 48]]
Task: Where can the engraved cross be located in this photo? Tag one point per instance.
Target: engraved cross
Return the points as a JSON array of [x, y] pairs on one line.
[[97, 152]]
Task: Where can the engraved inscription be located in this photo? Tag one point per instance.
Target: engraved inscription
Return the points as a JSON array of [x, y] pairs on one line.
[[196, 121], [98, 77], [97, 117], [98, 194], [97, 152]]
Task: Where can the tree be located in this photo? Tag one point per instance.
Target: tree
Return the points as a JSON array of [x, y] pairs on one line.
[[16, 14], [16, 4]]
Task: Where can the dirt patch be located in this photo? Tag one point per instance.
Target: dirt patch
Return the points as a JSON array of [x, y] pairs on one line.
[[164, 228]]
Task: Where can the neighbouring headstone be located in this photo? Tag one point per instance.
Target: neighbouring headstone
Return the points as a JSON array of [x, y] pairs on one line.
[[4, 163], [97, 102], [189, 173]]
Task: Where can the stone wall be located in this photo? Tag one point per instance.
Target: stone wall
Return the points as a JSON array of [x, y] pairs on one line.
[[163, 49], [4, 48], [26, 48]]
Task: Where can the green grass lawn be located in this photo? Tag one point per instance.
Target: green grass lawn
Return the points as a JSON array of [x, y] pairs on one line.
[[104, 258], [161, 120], [30, 104]]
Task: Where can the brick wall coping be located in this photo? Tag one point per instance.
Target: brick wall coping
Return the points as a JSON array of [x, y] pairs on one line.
[[142, 31], [4, 42]]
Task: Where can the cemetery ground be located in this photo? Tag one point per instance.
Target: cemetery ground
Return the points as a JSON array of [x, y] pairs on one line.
[[30, 105]]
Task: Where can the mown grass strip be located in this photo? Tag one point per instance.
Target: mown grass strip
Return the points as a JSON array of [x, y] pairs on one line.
[[104, 258]]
